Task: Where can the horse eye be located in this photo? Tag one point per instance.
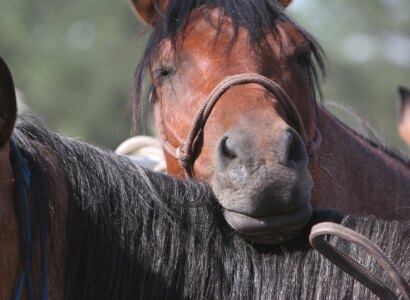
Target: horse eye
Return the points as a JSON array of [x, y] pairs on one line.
[[304, 58], [163, 73]]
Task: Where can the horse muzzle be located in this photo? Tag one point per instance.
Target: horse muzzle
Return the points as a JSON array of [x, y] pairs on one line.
[[265, 190], [262, 182]]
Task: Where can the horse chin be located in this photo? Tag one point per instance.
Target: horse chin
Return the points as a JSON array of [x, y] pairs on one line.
[[269, 206], [270, 230]]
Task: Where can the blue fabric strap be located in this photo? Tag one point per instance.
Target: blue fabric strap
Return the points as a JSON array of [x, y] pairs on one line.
[[43, 253], [23, 183]]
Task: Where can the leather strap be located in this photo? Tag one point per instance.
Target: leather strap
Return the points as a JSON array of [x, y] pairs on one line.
[[352, 267]]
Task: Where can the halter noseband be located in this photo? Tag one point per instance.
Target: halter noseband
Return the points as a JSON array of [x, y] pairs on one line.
[[185, 153]]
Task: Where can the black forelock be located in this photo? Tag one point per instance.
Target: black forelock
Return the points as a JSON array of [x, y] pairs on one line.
[[255, 16]]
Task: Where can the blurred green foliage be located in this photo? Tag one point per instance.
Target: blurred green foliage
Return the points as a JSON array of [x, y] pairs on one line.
[[74, 60], [74, 63], [367, 43]]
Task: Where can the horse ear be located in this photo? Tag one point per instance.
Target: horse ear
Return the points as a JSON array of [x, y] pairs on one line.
[[285, 3], [149, 10], [404, 122], [8, 105], [404, 96]]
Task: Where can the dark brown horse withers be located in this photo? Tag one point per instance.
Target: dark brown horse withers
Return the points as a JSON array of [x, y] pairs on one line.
[[248, 141]]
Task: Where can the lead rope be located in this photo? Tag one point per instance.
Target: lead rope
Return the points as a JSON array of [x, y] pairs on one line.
[[185, 153], [351, 266], [23, 183]]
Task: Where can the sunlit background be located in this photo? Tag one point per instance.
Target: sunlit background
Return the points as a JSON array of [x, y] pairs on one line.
[[73, 61]]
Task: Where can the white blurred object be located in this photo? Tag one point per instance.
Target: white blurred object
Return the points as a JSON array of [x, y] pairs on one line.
[[21, 103], [145, 151]]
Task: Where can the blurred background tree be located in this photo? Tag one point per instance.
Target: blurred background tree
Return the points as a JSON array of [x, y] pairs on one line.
[[368, 47], [73, 61]]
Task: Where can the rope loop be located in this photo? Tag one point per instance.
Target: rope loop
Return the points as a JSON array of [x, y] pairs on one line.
[[352, 267], [184, 154]]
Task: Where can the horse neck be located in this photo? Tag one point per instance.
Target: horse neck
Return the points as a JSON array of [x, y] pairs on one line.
[[356, 176]]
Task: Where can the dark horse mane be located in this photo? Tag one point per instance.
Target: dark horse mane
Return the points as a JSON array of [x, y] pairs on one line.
[[135, 234], [379, 144]]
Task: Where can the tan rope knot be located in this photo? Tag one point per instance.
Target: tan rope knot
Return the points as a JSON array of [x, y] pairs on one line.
[[182, 156]]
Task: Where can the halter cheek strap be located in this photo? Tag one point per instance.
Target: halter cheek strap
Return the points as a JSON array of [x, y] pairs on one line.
[[185, 153], [352, 267]]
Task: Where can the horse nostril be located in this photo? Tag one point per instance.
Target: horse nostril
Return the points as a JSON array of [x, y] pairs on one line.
[[294, 150], [225, 150], [225, 153]]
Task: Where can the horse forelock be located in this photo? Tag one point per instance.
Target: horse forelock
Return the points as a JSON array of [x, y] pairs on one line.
[[257, 17]]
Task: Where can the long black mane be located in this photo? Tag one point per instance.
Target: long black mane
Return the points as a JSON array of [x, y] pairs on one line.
[[256, 16], [134, 234]]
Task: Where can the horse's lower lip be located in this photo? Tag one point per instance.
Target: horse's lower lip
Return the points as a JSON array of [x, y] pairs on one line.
[[270, 225]]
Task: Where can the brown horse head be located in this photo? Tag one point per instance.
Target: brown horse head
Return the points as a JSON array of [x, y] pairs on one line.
[[234, 101], [404, 120]]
